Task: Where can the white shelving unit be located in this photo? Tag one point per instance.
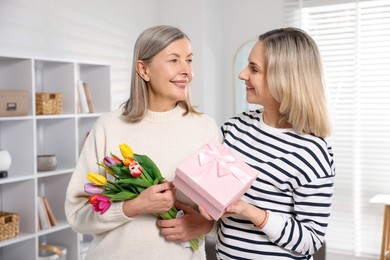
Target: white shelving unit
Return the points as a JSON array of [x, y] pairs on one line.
[[25, 137]]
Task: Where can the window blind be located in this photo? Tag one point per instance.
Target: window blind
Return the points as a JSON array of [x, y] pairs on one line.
[[354, 40]]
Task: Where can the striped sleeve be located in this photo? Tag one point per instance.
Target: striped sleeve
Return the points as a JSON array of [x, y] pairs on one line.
[[304, 231]]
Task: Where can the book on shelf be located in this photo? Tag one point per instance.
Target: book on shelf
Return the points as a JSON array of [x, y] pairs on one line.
[[52, 217], [46, 216], [44, 221], [88, 95], [82, 98]]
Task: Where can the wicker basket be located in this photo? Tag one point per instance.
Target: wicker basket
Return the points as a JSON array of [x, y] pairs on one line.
[[48, 103], [9, 225]]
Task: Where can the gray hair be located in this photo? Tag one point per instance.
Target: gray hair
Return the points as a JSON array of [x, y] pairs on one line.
[[150, 43]]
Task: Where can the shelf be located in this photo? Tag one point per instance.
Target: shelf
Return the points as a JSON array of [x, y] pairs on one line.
[[60, 226], [17, 137], [20, 238], [26, 137], [57, 171], [49, 140], [54, 76], [15, 179]]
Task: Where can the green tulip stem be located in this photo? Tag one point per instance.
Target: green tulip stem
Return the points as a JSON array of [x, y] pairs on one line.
[[194, 244]]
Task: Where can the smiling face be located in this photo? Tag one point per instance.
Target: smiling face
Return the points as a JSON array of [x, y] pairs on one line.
[[255, 77], [168, 75]]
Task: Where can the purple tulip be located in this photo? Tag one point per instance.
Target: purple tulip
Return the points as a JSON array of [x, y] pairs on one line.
[[92, 189], [108, 161]]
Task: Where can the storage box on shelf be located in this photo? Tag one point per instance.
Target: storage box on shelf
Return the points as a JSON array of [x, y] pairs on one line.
[[9, 225], [13, 103], [59, 132], [48, 103]]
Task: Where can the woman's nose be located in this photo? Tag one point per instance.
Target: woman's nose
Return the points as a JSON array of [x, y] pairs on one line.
[[186, 68], [243, 75]]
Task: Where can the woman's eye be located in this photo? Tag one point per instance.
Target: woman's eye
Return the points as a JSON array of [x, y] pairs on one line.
[[253, 69], [189, 61], [173, 60]]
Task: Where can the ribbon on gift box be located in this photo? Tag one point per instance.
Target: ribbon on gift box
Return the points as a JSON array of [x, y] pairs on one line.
[[221, 156]]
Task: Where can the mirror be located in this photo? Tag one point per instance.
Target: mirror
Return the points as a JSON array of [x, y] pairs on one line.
[[240, 62]]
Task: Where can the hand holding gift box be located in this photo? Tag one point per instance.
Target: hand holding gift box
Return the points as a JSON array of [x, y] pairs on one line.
[[214, 177]]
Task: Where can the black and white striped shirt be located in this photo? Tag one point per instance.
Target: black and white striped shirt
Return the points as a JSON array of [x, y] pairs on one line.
[[294, 184]]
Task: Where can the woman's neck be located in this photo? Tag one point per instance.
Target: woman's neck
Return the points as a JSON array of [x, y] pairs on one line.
[[272, 119]]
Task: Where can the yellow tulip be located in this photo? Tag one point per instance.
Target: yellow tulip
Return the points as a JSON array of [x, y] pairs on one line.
[[96, 178], [126, 151]]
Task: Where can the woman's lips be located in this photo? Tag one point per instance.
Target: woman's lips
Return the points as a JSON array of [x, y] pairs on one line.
[[180, 84]]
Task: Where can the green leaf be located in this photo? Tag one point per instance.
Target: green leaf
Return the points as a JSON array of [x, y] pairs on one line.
[[140, 189], [125, 171], [147, 175], [158, 181], [124, 195], [114, 186], [136, 181], [149, 165], [130, 187], [117, 170], [109, 193]]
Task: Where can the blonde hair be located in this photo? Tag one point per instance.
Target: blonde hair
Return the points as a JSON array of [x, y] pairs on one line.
[[295, 80], [149, 43]]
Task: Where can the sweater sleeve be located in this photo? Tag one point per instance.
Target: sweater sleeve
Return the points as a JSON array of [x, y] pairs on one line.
[[303, 233], [79, 213]]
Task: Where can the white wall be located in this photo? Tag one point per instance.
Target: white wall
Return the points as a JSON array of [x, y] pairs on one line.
[[217, 29], [81, 30], [105, 31], [202, 20], [244, 21]]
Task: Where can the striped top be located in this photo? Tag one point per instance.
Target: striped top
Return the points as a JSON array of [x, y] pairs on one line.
[[294, 184]]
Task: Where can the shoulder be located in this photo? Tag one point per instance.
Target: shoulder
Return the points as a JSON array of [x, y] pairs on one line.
[[312, 142], [200, 125], [204, 119], [201, 120], [109, 120], [315, 151], [110, 116], [244, 118]]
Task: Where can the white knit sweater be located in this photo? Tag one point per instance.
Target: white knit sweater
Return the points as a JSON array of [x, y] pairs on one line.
[[167, 138]]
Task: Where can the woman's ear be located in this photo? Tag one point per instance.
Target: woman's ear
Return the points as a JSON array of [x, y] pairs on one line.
[[142, 70]]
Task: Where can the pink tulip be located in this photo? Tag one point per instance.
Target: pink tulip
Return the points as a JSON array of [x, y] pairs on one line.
[[100, 203]]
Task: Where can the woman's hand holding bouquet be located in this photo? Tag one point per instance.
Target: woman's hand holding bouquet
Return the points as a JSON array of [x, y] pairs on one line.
[[158, 198], [135, 176]]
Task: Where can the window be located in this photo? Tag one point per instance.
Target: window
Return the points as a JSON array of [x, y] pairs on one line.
[[354, 40]]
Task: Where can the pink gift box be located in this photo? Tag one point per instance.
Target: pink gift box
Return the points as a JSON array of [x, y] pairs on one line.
[[213, 178]]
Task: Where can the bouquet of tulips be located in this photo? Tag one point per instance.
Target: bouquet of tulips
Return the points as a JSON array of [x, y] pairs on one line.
[[132, 174]]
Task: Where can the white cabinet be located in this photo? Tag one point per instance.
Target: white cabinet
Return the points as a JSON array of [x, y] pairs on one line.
[[26, 137]]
